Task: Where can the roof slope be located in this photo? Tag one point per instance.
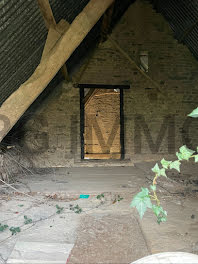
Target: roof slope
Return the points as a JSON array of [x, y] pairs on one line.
[[182, 16], [23, 35]]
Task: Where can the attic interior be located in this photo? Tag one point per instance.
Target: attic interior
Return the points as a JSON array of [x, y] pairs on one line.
[[94, 93]]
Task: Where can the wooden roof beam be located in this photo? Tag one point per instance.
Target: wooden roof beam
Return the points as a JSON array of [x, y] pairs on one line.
[[18, 102], [50, 22]]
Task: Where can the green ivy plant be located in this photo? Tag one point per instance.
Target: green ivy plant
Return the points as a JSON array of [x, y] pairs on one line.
[[100, 196], [59, 209], [3, 227], [27, 220], [76, 209], [15, 230], [147, 198]]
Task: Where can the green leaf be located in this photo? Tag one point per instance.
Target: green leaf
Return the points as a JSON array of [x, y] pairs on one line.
[[196, 158], [59, 209], [20, 205], [186, 153], [142, 201], [163, 172], [160, 213], [99, 196], [119, 198], [3, 227], [194, 113], [153, 187], [156, 169], [175, 165], [15, 230], [165, 163], [179, 155], [27, 220], [157, 209]]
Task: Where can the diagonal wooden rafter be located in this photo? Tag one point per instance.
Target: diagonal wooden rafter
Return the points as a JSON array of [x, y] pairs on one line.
[[50, 23], [18, 102], [46, 11], [89, 96], [54, 35]]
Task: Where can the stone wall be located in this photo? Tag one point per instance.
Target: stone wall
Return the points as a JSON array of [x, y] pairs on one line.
[[155, 124]]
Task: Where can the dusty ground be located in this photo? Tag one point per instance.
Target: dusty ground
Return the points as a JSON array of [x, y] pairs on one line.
[[106, 231]]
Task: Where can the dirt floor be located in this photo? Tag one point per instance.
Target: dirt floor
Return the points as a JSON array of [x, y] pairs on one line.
[[56, 225]]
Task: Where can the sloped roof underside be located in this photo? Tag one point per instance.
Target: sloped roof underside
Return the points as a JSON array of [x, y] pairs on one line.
[[182, 16], [23, 34]]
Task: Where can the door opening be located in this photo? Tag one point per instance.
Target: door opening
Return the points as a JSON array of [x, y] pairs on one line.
[[102, 121]]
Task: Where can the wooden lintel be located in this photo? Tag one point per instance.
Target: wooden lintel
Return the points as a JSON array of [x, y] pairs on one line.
[[19, 101]]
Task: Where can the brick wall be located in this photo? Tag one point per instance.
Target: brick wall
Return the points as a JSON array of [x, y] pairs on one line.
[[154, 124]]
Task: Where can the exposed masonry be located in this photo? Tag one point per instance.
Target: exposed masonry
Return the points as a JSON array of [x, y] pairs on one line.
[[149, 117]]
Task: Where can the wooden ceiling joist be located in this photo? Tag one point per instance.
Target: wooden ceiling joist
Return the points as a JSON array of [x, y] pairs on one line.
[[15, 106]]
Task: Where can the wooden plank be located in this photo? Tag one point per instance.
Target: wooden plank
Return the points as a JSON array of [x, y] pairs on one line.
[[47, 14], [50, 23], [15, 106], [90, 95], [54, 34]]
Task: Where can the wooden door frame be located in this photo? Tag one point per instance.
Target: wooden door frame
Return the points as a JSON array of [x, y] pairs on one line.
[[82, 113]]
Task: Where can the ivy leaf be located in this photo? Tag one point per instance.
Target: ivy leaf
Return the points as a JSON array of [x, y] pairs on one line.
[[153, 187], [175, 165], [179, 155], [141, 201], [156, 169], [157, 209], [196, 158], [3, 227], [27, 220], [160, 213], [163, 172], [165, 163], [15, 230], [194, 113], [59, 209], [186, 153]]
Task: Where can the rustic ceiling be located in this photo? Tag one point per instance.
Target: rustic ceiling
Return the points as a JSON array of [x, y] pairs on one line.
[[23, 34], [182, 16]]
